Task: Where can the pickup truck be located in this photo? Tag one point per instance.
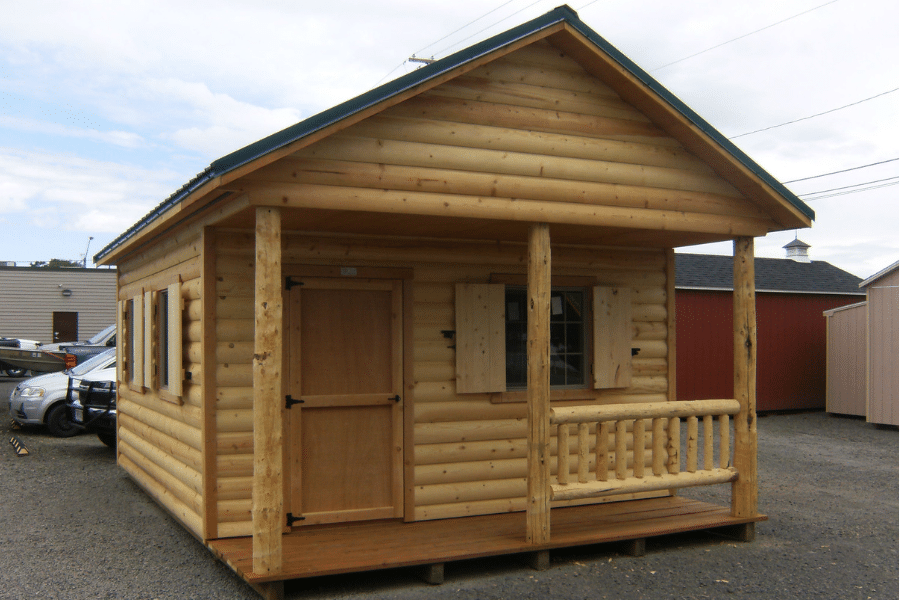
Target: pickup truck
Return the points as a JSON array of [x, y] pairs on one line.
[[48, 358], [92, 402]]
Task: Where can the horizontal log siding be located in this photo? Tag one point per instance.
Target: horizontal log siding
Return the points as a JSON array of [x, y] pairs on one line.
[[234, 335], [532, 126], [160, 441], [469, 450], [494, 132]]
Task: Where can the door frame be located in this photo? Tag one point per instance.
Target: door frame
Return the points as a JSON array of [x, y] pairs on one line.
[[64, 317], [404, 276]]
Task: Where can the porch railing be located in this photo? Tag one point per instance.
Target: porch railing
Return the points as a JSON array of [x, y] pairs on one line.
[[656, 427]]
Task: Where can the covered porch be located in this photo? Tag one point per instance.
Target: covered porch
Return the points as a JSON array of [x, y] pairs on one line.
[[649, 432], [372, 545]]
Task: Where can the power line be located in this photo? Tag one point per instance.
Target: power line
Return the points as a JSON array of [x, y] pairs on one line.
[[457, 31], [874, 187], [496, 23], [742, 37], [846, 187], [843, 171], [463, 27], [816, 115]]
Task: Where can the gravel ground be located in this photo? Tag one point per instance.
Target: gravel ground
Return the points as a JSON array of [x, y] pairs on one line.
[[74, 526]]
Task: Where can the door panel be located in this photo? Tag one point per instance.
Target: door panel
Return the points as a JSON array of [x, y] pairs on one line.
[[346, 459], [65, 327], [346, 369], [346, 341]]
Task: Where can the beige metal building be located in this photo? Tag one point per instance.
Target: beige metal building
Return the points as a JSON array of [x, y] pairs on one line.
[[863, 377], [882, 392], [56, 305]]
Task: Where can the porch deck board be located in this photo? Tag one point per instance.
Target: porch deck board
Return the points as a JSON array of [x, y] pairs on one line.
[[366, 546]]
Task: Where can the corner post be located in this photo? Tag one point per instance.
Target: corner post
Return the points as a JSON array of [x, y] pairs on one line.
[[744, 490], [538, 502], [268, 500]]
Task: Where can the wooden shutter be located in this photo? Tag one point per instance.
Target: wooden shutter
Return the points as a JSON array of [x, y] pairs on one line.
[[121, 344], [173, 321], [480, 338], [137, 341], [612, 337], [149, 330]]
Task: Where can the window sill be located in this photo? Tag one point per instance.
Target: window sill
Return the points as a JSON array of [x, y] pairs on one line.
[[584, 395]]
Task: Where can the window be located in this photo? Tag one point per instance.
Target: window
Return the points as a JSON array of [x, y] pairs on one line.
[[590, 338], [567, 338], [152, 342], [162, 330]]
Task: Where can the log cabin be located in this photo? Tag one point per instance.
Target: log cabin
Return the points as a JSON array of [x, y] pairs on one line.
[[371, 339]]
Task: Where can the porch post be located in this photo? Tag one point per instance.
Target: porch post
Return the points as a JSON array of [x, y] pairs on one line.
[[538, 505], [268, 501], [744, 490]]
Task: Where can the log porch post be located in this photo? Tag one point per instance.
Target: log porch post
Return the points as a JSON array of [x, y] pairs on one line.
[[744, 490], [538, 505], [268, 502]]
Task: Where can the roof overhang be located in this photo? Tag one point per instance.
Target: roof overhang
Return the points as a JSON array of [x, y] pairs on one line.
[[212, 198]]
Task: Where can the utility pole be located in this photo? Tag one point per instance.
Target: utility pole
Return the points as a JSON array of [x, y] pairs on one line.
[[84, 258], [415, 59]]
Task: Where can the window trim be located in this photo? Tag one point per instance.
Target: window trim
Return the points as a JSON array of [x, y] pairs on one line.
[[480, 341], [144, 340], [587, 335]]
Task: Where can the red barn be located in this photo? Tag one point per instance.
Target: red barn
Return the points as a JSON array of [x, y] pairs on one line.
[[791, 296]]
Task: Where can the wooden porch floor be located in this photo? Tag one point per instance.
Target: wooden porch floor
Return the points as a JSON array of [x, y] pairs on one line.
[[372, 545]]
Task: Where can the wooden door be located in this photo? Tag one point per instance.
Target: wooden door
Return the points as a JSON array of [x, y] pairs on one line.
[[65, 327], [346, 433]]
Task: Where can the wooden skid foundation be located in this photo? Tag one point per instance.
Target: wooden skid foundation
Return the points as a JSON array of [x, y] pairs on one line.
[[367, 546]]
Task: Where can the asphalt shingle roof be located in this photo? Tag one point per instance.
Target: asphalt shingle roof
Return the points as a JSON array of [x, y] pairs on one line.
[[705, 271]]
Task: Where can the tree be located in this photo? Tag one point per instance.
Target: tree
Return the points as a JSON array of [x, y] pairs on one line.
[[55, 263]]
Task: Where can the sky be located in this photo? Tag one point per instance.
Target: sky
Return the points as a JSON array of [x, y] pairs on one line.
[[108, 107]]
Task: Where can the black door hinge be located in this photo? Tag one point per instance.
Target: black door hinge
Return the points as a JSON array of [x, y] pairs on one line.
[[289, 283], [289, 402], [291, 519]]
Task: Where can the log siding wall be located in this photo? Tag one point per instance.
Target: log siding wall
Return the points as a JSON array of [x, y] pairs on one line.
[[532, 128], [468, 449], [160, 442]]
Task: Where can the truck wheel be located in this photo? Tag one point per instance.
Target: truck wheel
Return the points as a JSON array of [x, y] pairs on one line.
[[58, 421], [108, 438], [16, 372]]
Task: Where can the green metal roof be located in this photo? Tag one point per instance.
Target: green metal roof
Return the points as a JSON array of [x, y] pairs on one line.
[[379, 94]]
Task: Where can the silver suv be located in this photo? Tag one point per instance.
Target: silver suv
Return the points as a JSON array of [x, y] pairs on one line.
[[41, 400]]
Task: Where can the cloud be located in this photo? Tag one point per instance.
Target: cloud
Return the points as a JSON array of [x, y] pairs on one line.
[[77, 194], [124, 139], [220, 123]]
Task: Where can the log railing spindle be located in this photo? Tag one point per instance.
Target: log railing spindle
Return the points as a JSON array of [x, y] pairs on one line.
[[724, 441], [674, 446], [691, 445], [708, 442], [621, 450], [602, 451], [562, 454], [659, 446], [638, 447], [583, 450]]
